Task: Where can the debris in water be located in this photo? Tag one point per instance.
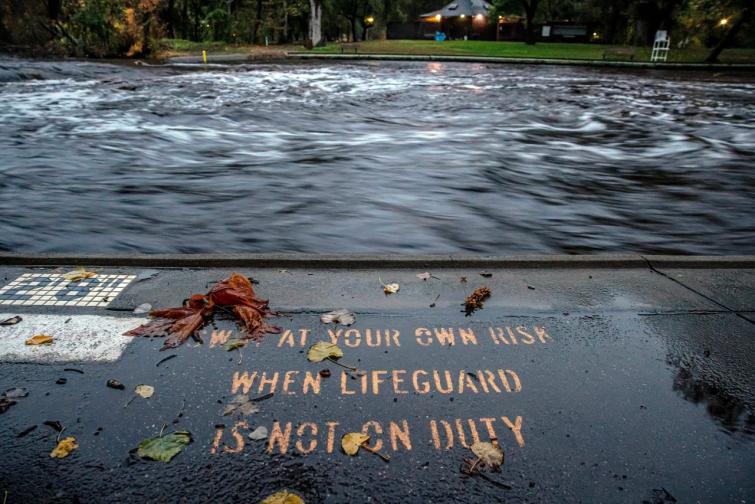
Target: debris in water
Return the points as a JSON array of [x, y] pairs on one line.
[[475, 300], [61, 381], [424, 276]]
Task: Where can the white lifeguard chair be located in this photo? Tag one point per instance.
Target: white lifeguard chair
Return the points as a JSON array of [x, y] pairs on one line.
[[660, 46]]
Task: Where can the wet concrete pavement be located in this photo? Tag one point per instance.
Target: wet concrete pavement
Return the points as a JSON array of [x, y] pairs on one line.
[[602, 384]]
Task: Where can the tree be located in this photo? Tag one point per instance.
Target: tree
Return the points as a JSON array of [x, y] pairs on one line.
[[745, 16], [528, 7], [315, 23]]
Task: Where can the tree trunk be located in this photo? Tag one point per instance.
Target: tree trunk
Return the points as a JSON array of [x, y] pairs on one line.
[[185, 20], [257, 22], [315, 22], [729, 37], [53, 9], [169, 18], [530, 9], [529, 37], [285, 21], [197, 12]]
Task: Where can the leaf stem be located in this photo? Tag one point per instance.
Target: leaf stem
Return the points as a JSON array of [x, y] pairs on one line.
[[385, 458], [331, 359]]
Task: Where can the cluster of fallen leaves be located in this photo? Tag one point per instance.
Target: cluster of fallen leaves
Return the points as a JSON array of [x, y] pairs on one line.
[[234, 295], [475, 300]]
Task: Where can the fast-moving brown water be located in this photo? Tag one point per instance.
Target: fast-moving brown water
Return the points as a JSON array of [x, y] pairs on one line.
[[374, 157]]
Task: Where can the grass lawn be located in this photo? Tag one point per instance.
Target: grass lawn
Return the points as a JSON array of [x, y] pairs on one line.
[[540, 50], [180, 47]]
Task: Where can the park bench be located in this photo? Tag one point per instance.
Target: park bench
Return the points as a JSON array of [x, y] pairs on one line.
[[349, 46], [619, 53]]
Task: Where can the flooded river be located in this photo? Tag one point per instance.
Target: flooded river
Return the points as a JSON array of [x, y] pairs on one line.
[[374, 157]]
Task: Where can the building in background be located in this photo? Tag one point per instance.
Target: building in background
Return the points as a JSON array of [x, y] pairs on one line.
[[458, 20]]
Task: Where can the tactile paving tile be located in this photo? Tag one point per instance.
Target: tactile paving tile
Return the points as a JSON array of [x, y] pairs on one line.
[[52, 289]]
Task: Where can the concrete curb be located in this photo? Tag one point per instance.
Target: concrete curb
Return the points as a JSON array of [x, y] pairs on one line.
[[380, 261], [523, 61]]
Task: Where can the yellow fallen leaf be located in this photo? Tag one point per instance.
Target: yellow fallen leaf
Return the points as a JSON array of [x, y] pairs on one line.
[[352, 441], [390, 288], [324, 350], [64, 448], [489, 455], [39, 339], [79, 274], [145, 391], [282, 497]]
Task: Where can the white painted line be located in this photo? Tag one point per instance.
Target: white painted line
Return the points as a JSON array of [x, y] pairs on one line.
[[77, 338]]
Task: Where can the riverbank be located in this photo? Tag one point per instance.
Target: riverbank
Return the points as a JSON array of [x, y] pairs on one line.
[[542, 50], [563, 365], [186, 50]]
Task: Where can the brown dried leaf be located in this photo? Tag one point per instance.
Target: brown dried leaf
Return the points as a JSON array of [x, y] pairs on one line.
[[39, 339], [183, 322], [79, 274], [489, 455], [475, 300]]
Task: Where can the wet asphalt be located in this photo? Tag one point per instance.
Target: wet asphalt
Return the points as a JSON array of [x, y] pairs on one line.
[[625, 385]]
